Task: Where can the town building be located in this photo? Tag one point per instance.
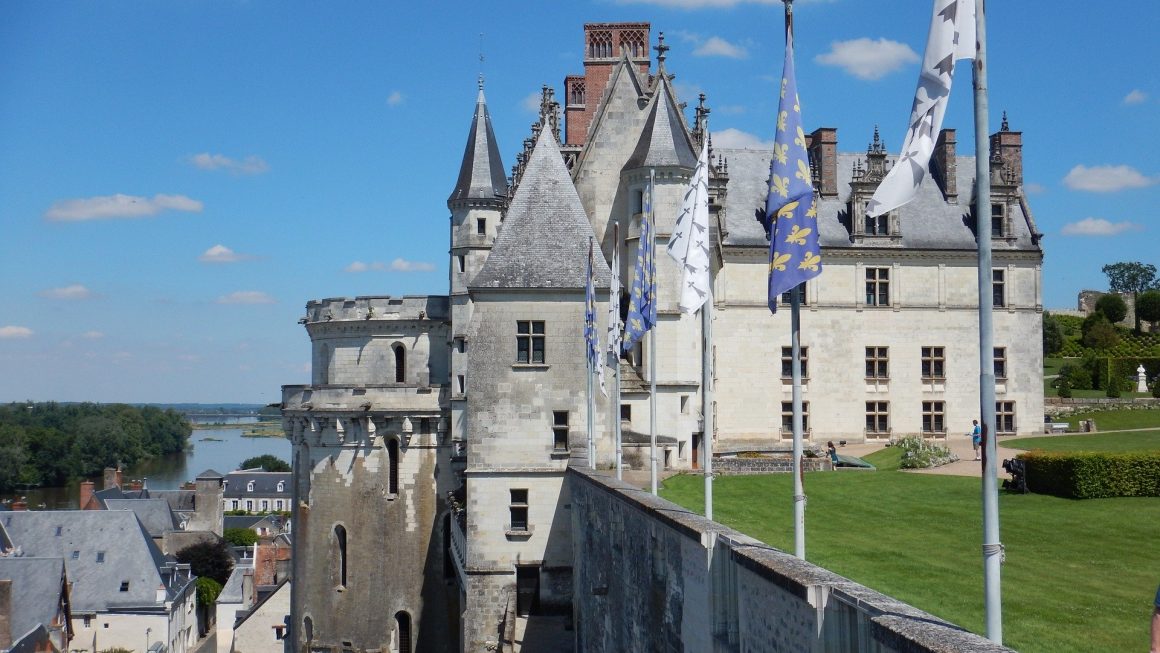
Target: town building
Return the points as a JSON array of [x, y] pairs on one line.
[[35, 609], [257, 491], [432, 446]]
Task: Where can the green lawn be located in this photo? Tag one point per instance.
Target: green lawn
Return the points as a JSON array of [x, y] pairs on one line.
[[1111, 420], [1079, 576], [1110, 442]]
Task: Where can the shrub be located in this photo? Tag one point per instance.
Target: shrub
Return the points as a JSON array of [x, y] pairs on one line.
[[240, 536], [208, 590], [1093, 475], [1114, 384], [1113, 307], [1064, 387], [1077, 377], [1100, 334], [917, 453]]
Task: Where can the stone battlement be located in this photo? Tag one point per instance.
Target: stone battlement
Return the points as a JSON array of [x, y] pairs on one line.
[[407, 307]]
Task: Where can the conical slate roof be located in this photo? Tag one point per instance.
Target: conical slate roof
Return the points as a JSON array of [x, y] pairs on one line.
[[662, 141], [481, 175], [544, 239]]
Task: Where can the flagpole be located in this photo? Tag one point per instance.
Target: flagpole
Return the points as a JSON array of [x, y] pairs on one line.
[[616, 357], [992, 547], [707, 424], [652, 341], [591, 363]]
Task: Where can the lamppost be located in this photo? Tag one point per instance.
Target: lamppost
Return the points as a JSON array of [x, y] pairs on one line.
[[147, 631]]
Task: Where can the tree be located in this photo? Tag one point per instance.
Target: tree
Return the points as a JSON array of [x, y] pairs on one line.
[[208, 590], [1133, 277], [1099, 333], [1052, 335], [1148, 306], [1113, 307], [241, 536], [268, 462], [208, 560]]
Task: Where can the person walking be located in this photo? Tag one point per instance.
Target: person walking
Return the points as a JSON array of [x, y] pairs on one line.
[[976, 437]]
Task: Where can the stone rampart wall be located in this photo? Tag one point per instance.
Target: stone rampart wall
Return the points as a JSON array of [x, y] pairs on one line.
[[650, 575], [765, 465]]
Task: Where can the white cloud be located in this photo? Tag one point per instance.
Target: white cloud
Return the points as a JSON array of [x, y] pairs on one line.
[[1034, 188], [12, 332], [531, 103], [866, 58], [395, 99], [221, 254], [1105, 179], [1136, 96], [715, 46], [118, 206], [251, 165], [735, 139], [92, 335], [246, 297], [403, 265], [1099, 227], [397, 265], [75, 291]]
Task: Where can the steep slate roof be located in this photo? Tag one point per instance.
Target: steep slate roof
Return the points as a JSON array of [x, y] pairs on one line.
[[36, 592], [927, 222], [209, 475], [481, 174], [179, 500], [265, 484], [128, 554], [154, 514], [663, 141], [544, 239]]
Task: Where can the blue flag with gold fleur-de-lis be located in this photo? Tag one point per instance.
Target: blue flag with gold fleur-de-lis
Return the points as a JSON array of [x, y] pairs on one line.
[[642, 304], [791, 213]]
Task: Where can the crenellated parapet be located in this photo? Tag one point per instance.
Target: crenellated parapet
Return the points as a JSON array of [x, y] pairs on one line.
[[344, 415], [370, 308]]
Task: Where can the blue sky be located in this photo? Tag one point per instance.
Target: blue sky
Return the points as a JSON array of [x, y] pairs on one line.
[[177, 179]]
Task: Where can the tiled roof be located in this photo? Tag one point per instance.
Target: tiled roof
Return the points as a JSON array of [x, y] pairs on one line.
[[663, 141], [36, 592], [265, 484], [543, 242], [481, 174], [154, 514]]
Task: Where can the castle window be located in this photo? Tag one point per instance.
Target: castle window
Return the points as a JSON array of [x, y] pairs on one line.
[[878, 225], [787, 298], [626, 412], [933, 417], [637, 202], [403, 624], [1005, 416], [530, 341], [877, 286], [481, 226], [124, 586], [599, 44], [576, 92], [559, 430], [878, 363], [787, 417], [787, 363], [461, 382], [393, 465], [462, 260], [400, 363], [461, 345], [933, 363], [340, 553], [1000, 362], [76, 555], [877, 418], [518, 510], [998, 288], [998, 220], [308, 628]]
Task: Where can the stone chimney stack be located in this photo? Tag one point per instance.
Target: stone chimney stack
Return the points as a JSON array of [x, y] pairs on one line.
[[945, 170], [112, 478], [1009, 145], [822, 146], [86, 494]]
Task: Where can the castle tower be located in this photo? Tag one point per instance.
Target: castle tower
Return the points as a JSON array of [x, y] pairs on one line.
[[370, 473], [477, 206], [526, 401]]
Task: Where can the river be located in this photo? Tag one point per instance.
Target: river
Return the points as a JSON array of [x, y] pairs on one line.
[[220, 449]]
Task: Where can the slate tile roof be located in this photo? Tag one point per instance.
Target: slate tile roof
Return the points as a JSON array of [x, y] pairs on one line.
[[481, 174], [36, 592], [543, 242], [265, 485], [663, 141], [155, 515]]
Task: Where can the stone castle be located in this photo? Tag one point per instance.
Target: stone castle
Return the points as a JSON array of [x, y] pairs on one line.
[[432, 447]]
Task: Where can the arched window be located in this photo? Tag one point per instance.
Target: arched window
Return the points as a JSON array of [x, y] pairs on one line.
[[403, 624], [400, 363], [308, 628], [340, 551], [393, 466], [281, 486]]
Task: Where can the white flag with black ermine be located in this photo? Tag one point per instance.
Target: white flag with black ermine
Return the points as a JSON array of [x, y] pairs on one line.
[[689, 243], [952, 37]]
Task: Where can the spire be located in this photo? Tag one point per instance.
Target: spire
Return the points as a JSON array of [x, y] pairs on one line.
[[481, 175], [543, 243], [663, 141], [661, 49], [1004, 126]]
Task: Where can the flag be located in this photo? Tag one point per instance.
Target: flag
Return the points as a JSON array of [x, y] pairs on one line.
[[689, 243], [614, 326], [951, 37], [791, 212], [591, 338], [642, 306]]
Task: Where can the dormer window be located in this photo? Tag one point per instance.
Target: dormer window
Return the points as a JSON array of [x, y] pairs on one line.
[[998, 220], [481, 226], [281, 486], [250, 486], [878, 225]]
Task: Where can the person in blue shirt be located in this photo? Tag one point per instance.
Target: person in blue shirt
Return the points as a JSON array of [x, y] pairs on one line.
[[833, 453], [976, 437]]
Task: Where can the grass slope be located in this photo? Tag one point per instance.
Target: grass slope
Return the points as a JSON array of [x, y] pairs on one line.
[[1111, 420], [1110, 442], [1079, 576]]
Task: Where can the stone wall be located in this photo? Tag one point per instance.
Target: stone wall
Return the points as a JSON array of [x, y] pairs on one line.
[[766, 465], [649, 575]]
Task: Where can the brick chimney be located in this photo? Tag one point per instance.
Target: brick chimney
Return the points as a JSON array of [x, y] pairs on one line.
[[86, 494], [135, 486], [945, 170], [822, 146], [1009, 145], [112, 478], [20, 505], [604, 44]]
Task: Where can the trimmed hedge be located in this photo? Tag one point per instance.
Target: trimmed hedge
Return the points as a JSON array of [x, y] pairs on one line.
[[1122, 368], [1093, 475]]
